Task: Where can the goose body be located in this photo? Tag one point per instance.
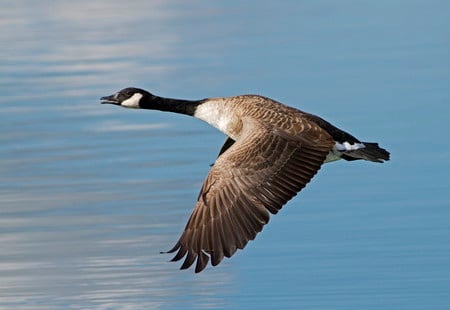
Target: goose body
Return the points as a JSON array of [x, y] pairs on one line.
[[271, 152]]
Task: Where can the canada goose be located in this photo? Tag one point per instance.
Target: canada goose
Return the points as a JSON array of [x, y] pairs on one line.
[[271, 152]]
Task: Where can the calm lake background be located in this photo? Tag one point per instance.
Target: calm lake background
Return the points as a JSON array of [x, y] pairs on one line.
[[90, 194]]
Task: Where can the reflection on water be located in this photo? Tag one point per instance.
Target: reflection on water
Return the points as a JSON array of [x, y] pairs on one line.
[[90, 194]]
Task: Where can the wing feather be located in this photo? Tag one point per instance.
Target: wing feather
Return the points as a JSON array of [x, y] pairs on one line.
[[256, 175]]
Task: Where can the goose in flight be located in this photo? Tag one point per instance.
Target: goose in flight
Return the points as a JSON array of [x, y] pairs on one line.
[[271, 152]]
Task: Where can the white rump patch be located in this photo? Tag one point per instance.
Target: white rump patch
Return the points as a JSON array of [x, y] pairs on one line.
[[132, 102], [340, 148], [345, 147]]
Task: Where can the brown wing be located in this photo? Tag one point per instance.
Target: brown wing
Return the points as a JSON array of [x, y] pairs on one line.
[[258, 174]]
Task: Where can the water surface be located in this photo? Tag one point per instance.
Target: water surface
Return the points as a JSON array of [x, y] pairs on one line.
[[90, 194]]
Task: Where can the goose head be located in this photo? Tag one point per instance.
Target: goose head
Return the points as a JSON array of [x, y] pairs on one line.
[[129, 97]]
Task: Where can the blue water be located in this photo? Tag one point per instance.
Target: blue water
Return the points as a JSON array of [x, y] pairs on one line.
[[90, 194]]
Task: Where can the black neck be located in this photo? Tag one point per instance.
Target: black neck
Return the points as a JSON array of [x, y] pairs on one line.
[[181, 106]]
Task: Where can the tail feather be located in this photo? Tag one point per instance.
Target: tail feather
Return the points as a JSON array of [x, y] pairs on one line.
[[371, 152]]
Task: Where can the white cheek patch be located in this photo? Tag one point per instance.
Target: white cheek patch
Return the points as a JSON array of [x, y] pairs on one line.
[[132, 102]]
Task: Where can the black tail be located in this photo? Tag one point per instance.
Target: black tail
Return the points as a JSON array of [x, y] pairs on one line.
[[371, 152]]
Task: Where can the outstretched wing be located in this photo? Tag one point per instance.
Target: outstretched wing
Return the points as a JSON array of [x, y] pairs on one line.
[[258, 174]]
